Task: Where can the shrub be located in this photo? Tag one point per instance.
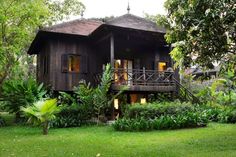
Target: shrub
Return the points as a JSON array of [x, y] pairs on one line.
[[218, 113], [71, 116], [228, 116], [20, 93], [139, 124], [77, 107], [188, 120], [212, 111], [154, 110]]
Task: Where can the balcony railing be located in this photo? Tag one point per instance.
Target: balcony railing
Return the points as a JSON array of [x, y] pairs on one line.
[[149, 80], [143, 77]]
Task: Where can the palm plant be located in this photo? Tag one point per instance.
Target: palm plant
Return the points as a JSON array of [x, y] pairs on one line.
[[42, 112]]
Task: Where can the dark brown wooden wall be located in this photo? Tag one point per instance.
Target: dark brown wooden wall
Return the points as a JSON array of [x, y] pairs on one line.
[[65, 81], [95, 56], [44, 55]]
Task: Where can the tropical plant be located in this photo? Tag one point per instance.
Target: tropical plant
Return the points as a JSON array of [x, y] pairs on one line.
[[203, 31], [188, 120], [19, 19], [85, 95], [155, 110], [101, 99], [86, 102], [20, 93], [41, 113]]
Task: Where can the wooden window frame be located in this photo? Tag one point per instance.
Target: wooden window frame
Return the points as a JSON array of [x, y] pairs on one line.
[[65, 63]]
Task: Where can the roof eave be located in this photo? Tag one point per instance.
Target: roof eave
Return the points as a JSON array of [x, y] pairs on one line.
[[41, 33]]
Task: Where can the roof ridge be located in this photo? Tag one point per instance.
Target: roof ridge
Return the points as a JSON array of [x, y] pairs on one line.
[[59, 25], [151, 23], [128, 14]]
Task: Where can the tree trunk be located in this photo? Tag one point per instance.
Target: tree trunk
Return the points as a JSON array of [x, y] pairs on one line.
[[45, 128]]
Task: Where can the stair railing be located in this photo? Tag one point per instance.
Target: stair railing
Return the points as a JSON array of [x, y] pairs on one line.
[[185, 94]]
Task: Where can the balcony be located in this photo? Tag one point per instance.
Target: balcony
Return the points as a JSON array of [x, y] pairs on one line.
[[142, 80]]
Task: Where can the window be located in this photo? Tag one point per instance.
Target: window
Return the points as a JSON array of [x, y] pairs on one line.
[[162, 66], [72, 63], [123, 70]]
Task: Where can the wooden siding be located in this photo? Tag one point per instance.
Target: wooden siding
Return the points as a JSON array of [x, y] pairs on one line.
[[93, 56]]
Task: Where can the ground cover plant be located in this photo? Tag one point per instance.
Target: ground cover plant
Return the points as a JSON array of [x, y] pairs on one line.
[[159, 116]]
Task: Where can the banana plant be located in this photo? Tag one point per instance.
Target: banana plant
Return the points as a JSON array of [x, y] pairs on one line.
[[41, 113]]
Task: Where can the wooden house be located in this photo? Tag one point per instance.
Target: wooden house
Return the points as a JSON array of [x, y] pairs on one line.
[[78, 50]]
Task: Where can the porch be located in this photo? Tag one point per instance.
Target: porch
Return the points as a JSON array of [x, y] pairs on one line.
[[139, 59], [143, 80]]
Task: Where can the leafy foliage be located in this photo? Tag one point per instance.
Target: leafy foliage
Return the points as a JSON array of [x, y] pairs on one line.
[[61, 10], [159, 116], [77, 108], [86, 102], [155, 110], [190, 119], [85, 95], [72, 116], [20, 93], [19, 19], [42, 112], [204, 29], [221, 91], [101, 99]]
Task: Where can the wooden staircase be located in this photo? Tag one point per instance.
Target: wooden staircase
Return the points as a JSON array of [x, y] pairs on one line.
[[184, 94]]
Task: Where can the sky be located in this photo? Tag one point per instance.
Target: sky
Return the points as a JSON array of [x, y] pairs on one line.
[[103, 8]]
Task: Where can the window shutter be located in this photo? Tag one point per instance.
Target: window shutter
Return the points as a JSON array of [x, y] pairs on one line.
[[64, 63], [84, 64]]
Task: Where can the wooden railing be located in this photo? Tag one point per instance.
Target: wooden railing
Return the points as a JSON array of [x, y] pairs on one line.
[[151, 78], [184, 94], [142, 77]]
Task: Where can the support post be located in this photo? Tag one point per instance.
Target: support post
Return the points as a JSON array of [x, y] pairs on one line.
[[112, 52], [144, 75]]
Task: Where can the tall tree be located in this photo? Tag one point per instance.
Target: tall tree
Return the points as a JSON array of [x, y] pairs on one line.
[[19, 19], [203, 31]]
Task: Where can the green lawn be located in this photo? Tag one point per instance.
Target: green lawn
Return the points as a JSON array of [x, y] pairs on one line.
[[22, 141]]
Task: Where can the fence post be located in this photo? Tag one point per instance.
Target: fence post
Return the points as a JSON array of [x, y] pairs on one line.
[[144, 75]]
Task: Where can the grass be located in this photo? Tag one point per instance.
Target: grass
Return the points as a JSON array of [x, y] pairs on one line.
[[22, 141]]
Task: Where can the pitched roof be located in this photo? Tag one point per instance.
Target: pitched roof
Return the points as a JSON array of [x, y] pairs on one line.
[[135, 22], [77, 27], [87, 26]]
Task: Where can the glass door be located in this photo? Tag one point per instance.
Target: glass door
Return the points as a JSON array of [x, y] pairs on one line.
[[123, 71]]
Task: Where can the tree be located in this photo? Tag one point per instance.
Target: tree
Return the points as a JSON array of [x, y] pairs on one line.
[[42, 112], [18, 21], [203, 31]]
